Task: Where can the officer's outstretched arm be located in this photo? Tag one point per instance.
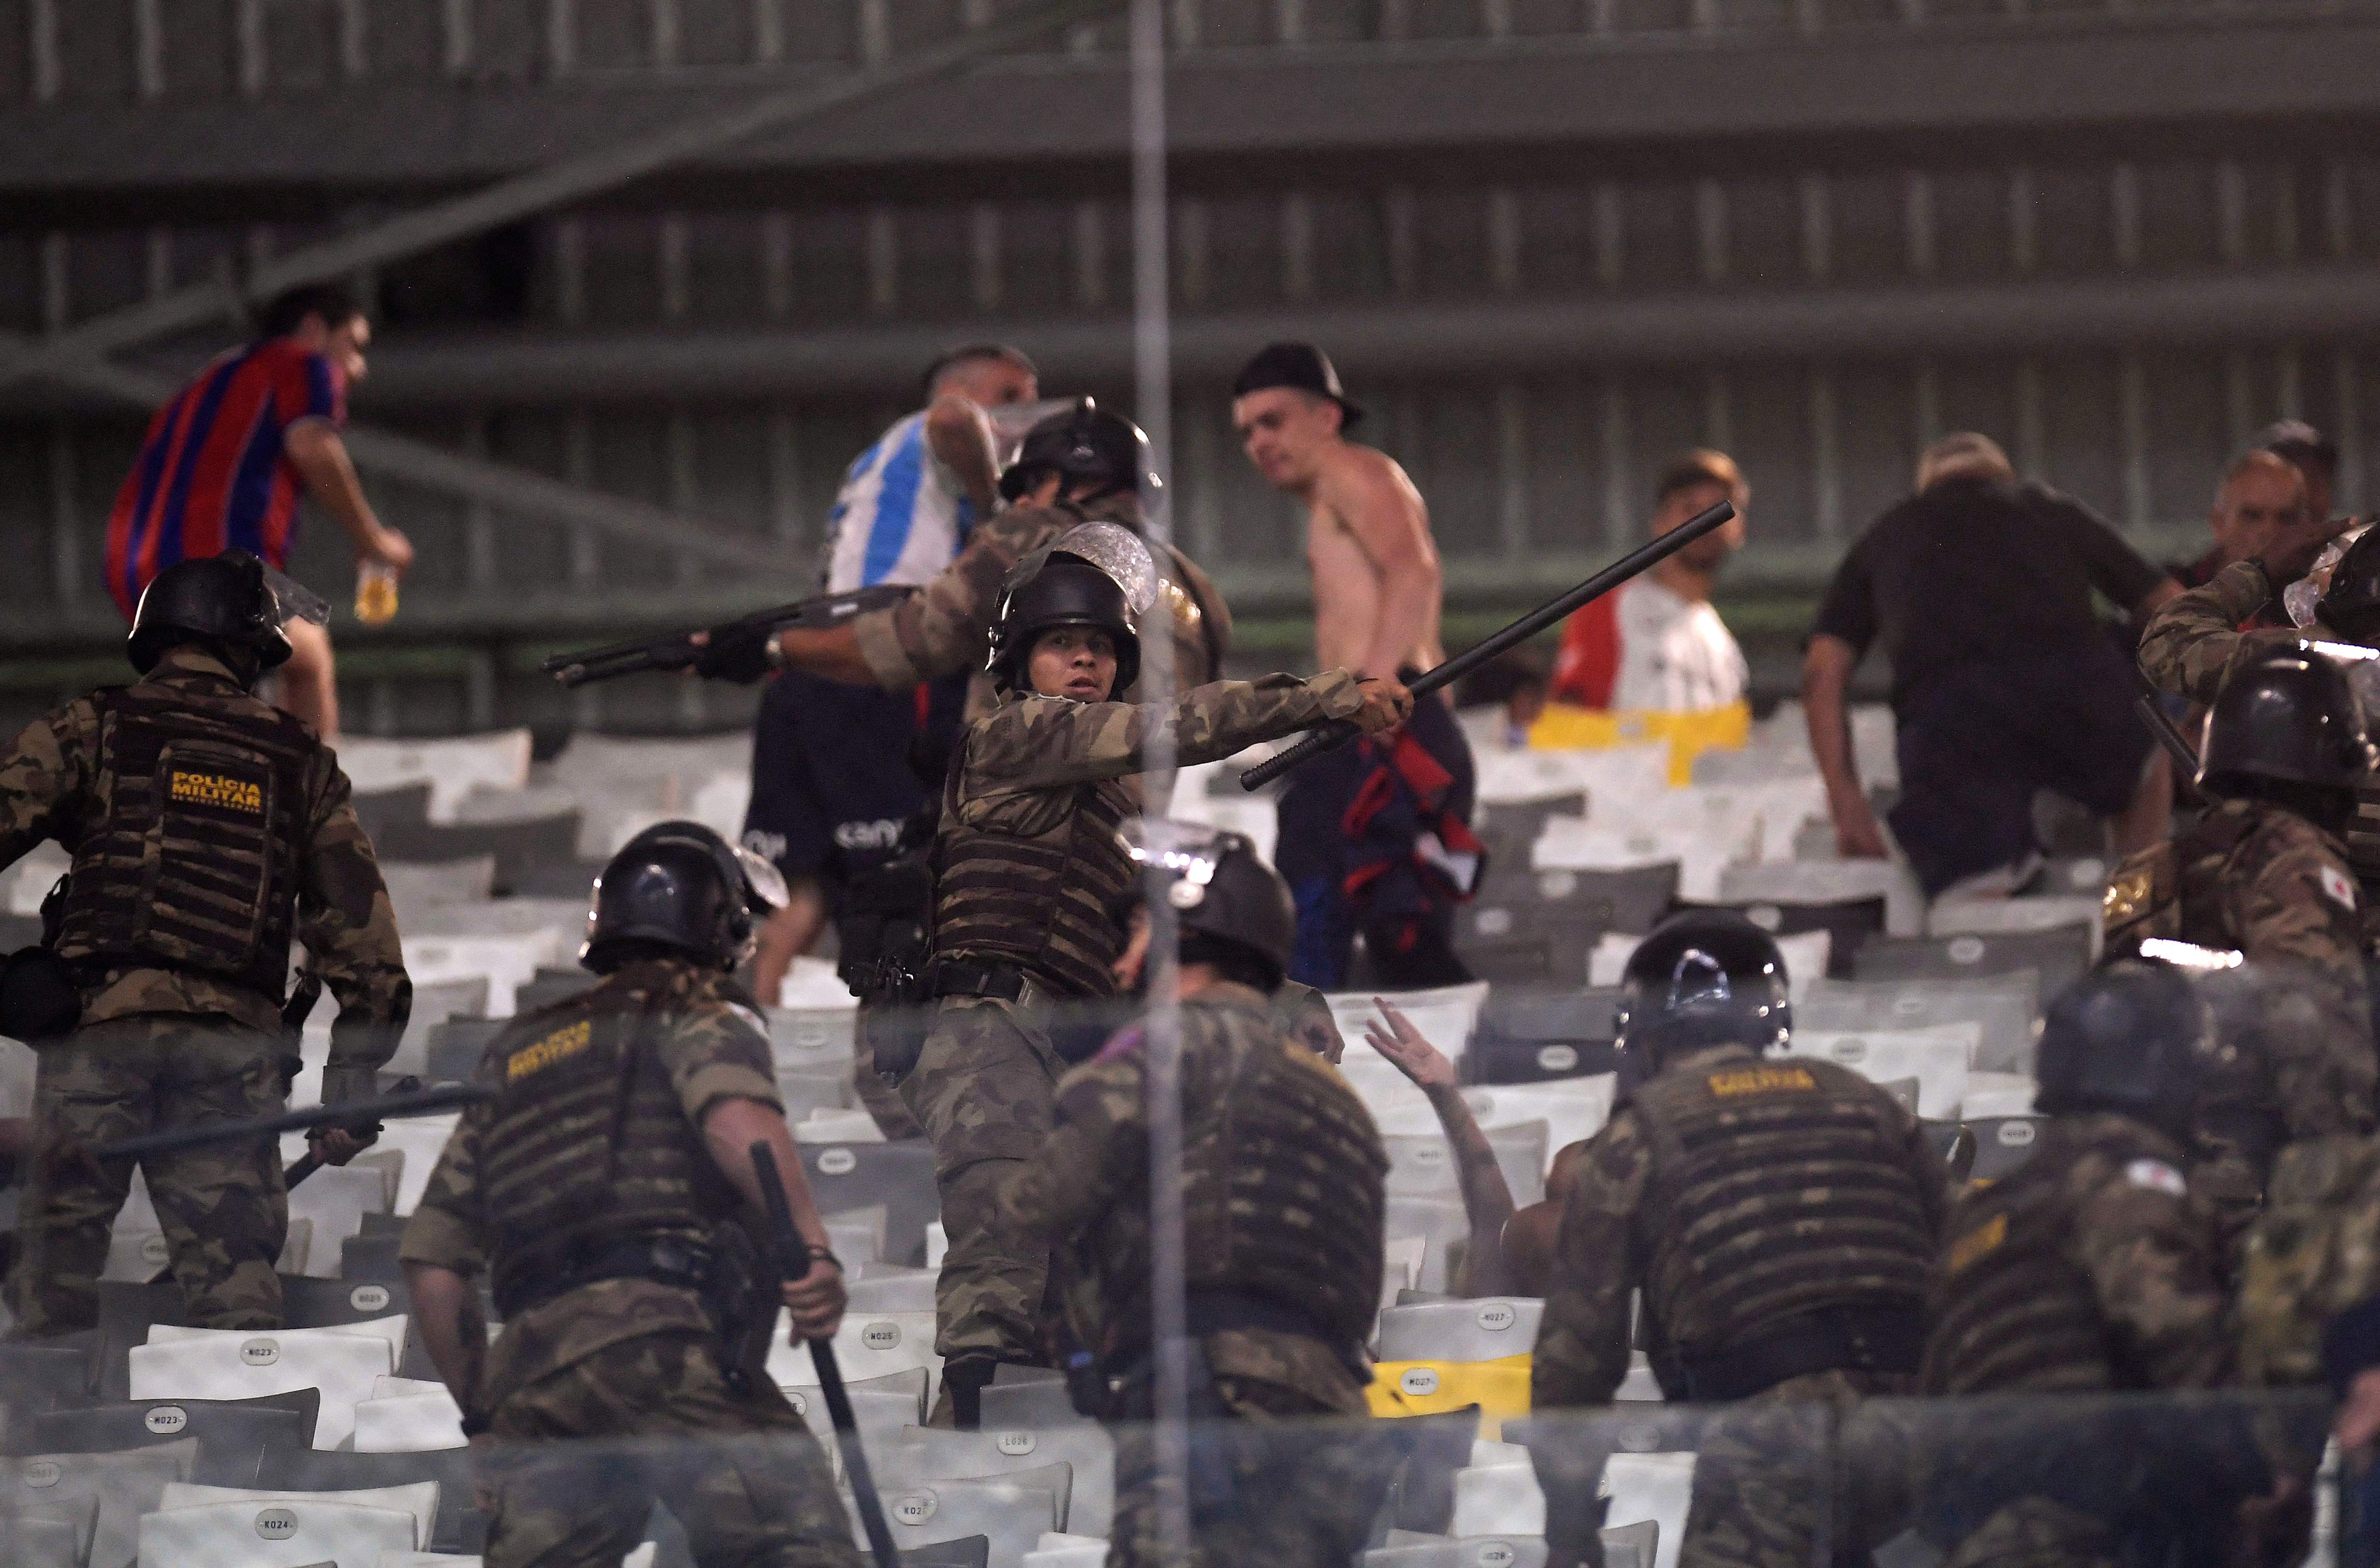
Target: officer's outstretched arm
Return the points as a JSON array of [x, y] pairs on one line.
[[48, 763], [2192, 645], [1044, 742]]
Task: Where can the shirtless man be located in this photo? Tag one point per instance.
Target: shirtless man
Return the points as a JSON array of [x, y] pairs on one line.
[[1392, 869]]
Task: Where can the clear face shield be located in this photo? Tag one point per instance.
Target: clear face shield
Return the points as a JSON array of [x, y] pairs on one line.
[[2301, 597], [763, 883], [1112, 548], [1186, 854], [1698, 982], [293, 600], [2362, 665], [1012, 422]]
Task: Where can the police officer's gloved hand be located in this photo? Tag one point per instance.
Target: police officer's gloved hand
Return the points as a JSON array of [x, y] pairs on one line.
[[738, 653]]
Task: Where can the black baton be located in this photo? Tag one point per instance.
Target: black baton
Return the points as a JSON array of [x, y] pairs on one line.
[[790, 1252], [2150, 708], [1339, 732], [421, 1102]]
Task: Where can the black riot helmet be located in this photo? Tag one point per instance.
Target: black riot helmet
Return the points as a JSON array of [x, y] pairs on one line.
[[2132, 1037], [1098, 575], [233, 600], [2351, 605], [1083, 444], [681, 887], [1705, 977], [1222, 895], [2289, 719]]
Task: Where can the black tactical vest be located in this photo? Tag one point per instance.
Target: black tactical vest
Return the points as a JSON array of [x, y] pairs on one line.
[[1042, 903], [195, 864], [587, 1144], [1779, 1188], [2012, 1313], [1284, 1189], [2361, 836]]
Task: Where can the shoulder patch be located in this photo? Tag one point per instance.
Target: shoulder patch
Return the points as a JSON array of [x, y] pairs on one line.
[[2156, 1175], [1760, 1081], [751, 1015], [2131, 891], [2338, 887], [1978, 1244]]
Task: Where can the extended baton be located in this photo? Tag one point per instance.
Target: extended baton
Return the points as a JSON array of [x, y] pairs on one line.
[[2150, 707], [1339, 732], [420, 1102], [791, 1253]]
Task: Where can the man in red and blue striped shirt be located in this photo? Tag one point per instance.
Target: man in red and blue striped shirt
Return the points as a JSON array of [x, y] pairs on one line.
[[224, 461]]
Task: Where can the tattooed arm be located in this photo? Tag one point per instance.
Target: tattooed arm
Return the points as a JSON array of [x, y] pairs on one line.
[[1487, 1198]]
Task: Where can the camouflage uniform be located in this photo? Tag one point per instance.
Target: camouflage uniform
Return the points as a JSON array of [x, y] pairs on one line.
[[634, 1370], [2267, 883], [1305, 1015], [1030, 867], [2193, 645], [161, 1048], [1722, 1159], [945, 627], [1283, 1197], [2087, 1270]]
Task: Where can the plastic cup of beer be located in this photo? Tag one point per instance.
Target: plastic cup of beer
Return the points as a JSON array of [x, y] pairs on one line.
[[375, 593]]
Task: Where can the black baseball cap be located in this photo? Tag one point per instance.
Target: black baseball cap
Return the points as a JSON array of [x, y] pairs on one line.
[[1303, 366], [2300, 442]]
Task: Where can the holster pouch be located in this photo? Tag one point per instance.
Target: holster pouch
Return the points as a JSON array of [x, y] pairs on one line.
[[736, 1297], [40, 998]]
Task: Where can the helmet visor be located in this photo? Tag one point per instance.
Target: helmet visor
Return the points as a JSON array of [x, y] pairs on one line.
[[1113, 549], [762, 881], [1698, 982], [2362, 665], [293, 600], [1012, 422], [1188, 853]]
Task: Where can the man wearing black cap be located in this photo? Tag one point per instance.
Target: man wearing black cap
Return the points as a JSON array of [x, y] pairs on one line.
[[1374, 837]]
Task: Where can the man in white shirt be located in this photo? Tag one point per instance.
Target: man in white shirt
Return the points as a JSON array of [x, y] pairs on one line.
[[1656, 645], [832, 779]]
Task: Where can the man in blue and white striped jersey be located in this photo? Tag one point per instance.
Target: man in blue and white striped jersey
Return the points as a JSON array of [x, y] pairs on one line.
[[832, 779]]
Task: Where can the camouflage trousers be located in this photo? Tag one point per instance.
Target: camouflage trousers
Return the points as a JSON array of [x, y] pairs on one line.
[[225, 1211], [985, 1089], [1304, 1494], [651, 1419], [1788, 1479]]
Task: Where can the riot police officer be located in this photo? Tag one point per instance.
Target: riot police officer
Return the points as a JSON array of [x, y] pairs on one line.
[[1284, 1183], [609, 1191], [1086, 464], [2086, 1270], [2263, 875], [2193, 646], [1029, 870], [1719, 1155], [208, 830]]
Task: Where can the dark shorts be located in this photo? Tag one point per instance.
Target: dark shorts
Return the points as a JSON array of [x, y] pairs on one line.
[[1977, 744], [833, 772]]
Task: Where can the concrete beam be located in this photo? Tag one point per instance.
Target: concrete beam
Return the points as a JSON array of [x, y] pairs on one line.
[[2041, 80]]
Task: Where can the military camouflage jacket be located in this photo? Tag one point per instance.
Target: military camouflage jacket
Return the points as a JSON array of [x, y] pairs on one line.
[[1031, 745], [2126, 1224], [50, 785], [1086, 1193], [2193, 645], [946, 627], [2268, 883], [715, 1047], [1603, 1255]]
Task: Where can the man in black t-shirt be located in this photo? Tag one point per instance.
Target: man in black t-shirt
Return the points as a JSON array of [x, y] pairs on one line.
[[2004, 680]]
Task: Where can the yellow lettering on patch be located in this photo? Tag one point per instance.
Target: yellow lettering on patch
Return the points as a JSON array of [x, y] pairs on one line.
[[1979, 1242], [1760, 1081], [555, 1047], [214, 789]]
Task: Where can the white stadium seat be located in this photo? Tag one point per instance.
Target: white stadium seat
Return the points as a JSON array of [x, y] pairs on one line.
[[413, 1423], [1499, 1500], [1013, 1512], [232, 1364], [1655, 1486], [1937, 1059], [419, 1502], [452, 768], [292, 1533], [119, 1488]]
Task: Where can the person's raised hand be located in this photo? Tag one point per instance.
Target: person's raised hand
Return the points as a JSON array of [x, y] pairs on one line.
[[336, 1145], [1397, 1039], [816, 1300], [1387, 704]]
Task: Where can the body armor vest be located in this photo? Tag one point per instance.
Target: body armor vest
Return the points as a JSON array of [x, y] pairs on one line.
[[194, 866], [2014, 1314], [1284, 1189], [1043, 902], [2361, 836], [1779, 1188], [587, 1144]]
